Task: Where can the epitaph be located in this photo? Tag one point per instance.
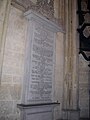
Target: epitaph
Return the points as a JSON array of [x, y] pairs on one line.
[[38, 84]]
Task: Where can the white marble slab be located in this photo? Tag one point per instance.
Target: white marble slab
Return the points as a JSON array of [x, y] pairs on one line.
[[38, 83]]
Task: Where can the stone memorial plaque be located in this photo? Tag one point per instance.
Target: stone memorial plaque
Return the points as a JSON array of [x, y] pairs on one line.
[[38, 83], [39, 60], [41, 65]]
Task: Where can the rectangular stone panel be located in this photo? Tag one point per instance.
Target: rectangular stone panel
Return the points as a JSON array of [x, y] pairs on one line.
[[41, 60]]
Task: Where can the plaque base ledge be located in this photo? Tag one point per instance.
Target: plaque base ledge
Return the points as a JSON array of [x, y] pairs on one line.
[[33, 105]]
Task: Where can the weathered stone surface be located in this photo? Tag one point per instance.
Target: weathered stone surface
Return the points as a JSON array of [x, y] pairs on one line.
[[17, 79], [84, 113], [39, 59], [5, 92], [7, 78], [14, 47], [12, 117], [15, 92], [84, 87], [12, 72], [10, 88], [1, 29], [2, 117], [59, 73], [2, 9], [6, 107], [16, 110], [2, 16]]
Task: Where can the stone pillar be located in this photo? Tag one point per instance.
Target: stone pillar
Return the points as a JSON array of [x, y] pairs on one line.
[[56, 8], [4, 13], [59, 11], [70, 96]]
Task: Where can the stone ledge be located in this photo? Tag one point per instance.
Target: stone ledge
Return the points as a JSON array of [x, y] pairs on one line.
[[37, 111], [84, 118], [40, 104]]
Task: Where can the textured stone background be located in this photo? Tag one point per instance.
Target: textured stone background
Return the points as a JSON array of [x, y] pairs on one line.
[[13, 64], [13, 61], [12, 72], [84, 79]]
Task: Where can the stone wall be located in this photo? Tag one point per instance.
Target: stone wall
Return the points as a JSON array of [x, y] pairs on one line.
[[4, 11], [13, 62], [59, 73], [12, 69], [84, 81]]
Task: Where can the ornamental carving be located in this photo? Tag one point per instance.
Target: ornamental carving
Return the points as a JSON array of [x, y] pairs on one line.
[[43, 7], [84, 24]]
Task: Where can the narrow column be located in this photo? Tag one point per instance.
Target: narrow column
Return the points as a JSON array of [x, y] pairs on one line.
[[4, 13], [70, 97]]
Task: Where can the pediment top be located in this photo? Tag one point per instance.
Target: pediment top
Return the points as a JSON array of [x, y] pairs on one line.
[[53, 26]]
